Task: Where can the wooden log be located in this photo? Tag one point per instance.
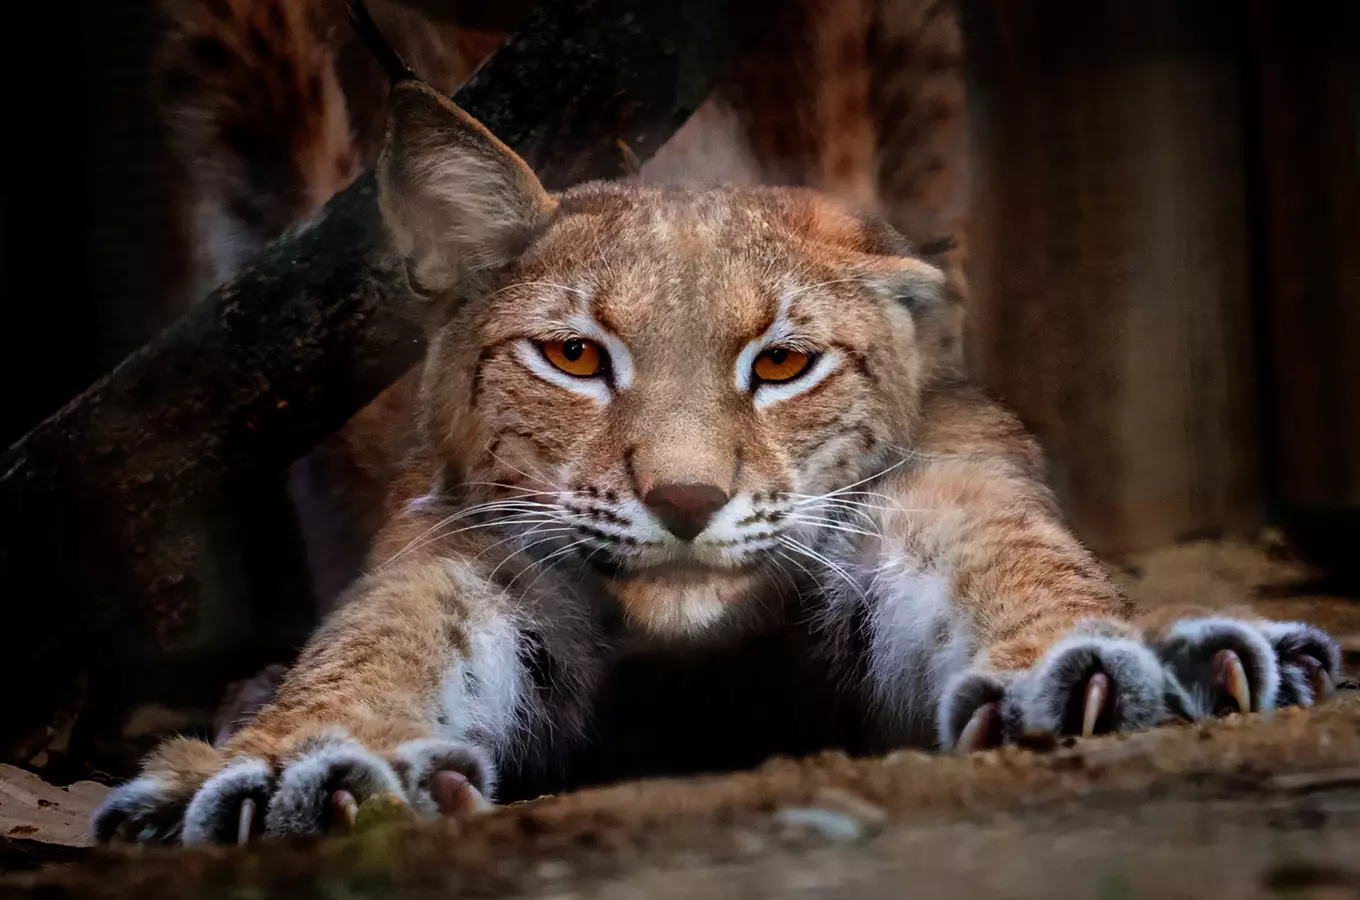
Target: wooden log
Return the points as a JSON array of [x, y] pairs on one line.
[[93, 568]]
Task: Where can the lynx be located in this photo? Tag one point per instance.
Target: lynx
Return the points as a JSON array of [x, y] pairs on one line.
[[659, 419], [270, 107]]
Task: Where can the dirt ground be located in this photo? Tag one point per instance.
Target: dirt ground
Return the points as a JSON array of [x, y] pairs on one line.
[[1239, 807]]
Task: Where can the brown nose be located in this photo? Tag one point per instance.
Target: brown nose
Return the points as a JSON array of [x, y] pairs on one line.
[[685, 509]]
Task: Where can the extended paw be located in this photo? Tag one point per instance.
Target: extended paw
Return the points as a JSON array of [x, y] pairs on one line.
[[150, 808], [315, 789], [1096, 680], [320, 787], [147, 810], [1223, 664], [1309, 660], [444, 777]]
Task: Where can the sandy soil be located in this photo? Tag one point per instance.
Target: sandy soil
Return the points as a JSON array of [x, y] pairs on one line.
[[1239, 807]]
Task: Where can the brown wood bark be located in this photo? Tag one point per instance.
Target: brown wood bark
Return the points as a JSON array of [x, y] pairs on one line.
[[1109, 257], [1307, 75]]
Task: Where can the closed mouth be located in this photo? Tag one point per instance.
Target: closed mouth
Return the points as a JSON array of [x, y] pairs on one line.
[[622, 569]]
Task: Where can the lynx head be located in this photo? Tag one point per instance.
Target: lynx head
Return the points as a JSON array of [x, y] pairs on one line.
[[663, 381]]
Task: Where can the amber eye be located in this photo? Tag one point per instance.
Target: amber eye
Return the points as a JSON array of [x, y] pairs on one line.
[[576, 356], [781, 364]]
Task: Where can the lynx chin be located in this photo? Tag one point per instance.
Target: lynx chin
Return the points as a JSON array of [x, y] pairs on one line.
[[667, 420]]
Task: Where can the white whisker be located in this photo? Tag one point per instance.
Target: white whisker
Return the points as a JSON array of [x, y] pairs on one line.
[[521, 489], [797, 562], [879, 474], [542, 528], [424, 541], [442, 523], [831, 525], [537, 477], [544, 563], [799, 547], [831, 507], [523, 284], [844, 500], [522, 550]]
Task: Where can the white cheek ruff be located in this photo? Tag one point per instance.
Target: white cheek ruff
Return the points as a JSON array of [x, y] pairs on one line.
[[594, 388], [768, 394]]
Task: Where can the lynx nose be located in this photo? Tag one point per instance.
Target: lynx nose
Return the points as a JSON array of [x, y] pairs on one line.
[[685, 509]]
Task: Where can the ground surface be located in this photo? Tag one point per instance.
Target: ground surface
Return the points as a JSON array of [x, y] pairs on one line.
[[1241, 807]]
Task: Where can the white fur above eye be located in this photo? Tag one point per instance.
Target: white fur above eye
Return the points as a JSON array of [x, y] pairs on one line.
[[596, 388], [768, 394]]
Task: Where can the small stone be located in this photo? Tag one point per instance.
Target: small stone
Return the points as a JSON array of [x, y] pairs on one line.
[[748, 843], [833, 826], [551, 869], [841, 800]]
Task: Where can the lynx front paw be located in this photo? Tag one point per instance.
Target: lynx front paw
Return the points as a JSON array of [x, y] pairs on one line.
[[316, 789], [150, 808], [1100, 679], [1221, 664], [1096, 680]]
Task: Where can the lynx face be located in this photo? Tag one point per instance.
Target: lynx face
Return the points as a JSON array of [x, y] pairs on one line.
[[665, 382]]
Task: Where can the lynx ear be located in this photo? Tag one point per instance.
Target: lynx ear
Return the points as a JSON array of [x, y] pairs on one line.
[[931, 295], [458, 203]]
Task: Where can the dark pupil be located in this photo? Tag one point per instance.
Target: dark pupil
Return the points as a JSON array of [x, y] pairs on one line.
[[573, 349], [778, 355]]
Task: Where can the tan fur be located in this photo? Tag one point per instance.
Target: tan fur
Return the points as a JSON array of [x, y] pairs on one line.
[[688, 278], [273, 107], [360, 656], [876, 496], [673, 259], [658, 262], [186, 758], [1018, 573], [885, 516]]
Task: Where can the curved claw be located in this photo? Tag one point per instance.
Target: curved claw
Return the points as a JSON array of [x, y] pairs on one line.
[[455, 795], [345, 807], [246, 821], [980, 732], [1097, 692], [1233, 676], [1318, 679], [1323, 686]]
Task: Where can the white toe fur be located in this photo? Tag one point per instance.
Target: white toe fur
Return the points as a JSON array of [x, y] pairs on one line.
[[1188, 649], [301, 804], [1044, 694], [213, 813], [963, 695], [416, 761], [138, 800]]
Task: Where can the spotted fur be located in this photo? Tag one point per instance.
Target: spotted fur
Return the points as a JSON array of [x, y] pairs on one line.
[[273, 106], [873, 502]]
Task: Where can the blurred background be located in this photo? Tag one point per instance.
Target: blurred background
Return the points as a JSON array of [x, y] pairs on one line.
[[1156, 206]]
